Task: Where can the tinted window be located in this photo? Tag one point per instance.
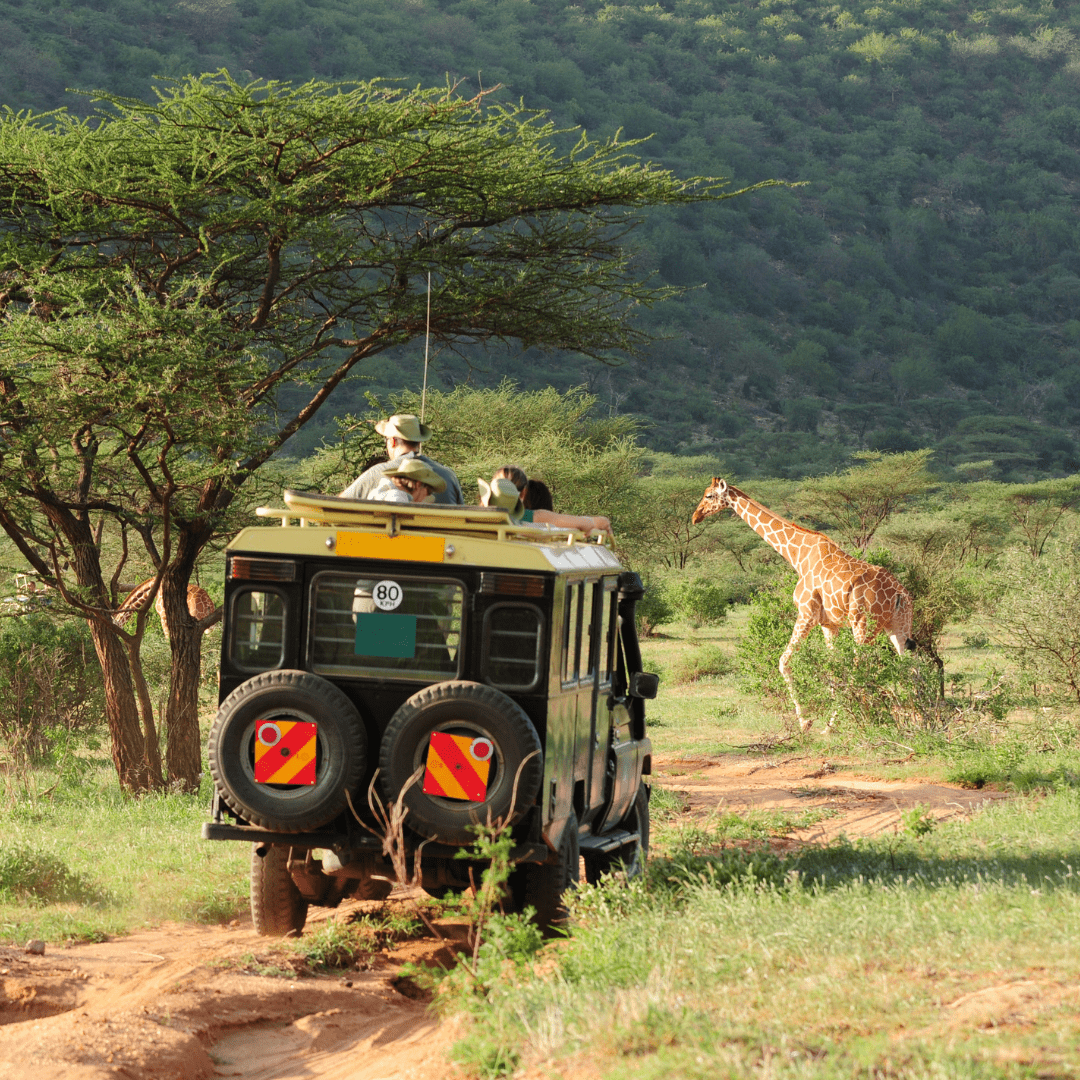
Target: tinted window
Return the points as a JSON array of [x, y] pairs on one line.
[[587, 668], [401, 628], [606, 635], [258, 630], [513, 642], [571, 632]]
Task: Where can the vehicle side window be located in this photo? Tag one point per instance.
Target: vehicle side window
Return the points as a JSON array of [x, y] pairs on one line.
[[587, 670], [258, 629], [513, 646], [571, 632], [400, 628], [606, 636]]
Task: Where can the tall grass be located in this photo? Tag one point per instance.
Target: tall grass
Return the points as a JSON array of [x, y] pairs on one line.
[[842, 962], [86, 860]]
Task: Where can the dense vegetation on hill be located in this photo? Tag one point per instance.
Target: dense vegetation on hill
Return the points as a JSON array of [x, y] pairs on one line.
[[923, 288]]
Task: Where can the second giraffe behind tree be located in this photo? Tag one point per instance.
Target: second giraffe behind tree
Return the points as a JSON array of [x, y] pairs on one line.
[[834, 589]]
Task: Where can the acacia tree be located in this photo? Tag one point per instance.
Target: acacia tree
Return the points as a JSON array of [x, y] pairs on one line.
[[862, 498], [167, 268]]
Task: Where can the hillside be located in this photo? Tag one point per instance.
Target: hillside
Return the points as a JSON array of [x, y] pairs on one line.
[[923, 288]]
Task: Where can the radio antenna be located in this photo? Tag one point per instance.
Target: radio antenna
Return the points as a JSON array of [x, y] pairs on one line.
[[427, 340]]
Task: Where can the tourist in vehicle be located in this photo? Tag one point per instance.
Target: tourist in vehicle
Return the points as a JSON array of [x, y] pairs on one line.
[[410, 480], [503, 493], [537, 496], [404, 433]]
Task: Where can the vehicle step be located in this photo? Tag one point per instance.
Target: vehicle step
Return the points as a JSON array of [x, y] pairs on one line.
[[608, 841]]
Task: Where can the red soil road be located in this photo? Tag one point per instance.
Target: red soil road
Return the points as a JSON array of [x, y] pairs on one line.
[[169, 1003]]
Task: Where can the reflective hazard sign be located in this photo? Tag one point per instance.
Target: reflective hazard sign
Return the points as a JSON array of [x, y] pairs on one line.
[[458, 766], [285, 751]]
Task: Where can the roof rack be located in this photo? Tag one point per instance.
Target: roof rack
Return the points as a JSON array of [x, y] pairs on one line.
[[311, 508]]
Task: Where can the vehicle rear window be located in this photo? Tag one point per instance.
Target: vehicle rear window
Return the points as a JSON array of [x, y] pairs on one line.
[[392, 627], [258, 623], [513, 646]]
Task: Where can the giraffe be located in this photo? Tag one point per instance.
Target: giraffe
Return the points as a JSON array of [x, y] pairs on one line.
[[198, 600], [834, 589]]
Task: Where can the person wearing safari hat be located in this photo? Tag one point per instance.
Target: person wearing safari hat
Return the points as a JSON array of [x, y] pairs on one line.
[[404, 433], [412, 480], [503, 493]]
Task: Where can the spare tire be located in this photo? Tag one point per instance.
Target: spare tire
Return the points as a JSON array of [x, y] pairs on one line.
[[340, 753], [469, 709]]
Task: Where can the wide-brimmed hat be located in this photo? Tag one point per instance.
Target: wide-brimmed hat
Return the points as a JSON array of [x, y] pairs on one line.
[[405, 426], [501, 493], [415, 469]]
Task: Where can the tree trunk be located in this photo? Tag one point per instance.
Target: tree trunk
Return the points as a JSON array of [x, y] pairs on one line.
[[146, 710], [183, 750], [129, 750], [183, 746], [125, 733]]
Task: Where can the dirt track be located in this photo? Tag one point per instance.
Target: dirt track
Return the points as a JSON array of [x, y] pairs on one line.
[[168, 1004]]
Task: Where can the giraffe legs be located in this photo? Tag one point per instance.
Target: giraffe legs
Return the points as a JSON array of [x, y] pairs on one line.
[[806, 621]]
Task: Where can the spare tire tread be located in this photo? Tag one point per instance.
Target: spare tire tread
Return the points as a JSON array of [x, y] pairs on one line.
[[339, 722], [426, 710]]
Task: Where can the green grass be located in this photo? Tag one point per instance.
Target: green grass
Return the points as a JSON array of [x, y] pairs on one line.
[[841, 962], [903, 956], [87, 861]]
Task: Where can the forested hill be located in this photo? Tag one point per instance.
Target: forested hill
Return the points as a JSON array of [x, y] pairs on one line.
[[923, 288]]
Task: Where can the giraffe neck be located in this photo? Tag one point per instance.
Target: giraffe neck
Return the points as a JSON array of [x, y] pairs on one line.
[[801, 547]]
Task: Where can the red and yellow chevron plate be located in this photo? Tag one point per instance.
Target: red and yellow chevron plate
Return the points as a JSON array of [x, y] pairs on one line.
[[285, 751], [458, 766]]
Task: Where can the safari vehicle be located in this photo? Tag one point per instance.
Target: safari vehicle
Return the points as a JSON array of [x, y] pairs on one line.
[[477, 670]]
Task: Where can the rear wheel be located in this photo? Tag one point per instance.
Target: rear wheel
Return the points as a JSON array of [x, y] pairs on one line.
[[277, 908], [544, 886], [631, 858]]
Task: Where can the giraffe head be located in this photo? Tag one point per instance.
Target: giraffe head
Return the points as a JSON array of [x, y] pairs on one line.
[[713, 501]]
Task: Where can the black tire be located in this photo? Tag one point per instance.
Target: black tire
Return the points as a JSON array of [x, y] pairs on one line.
[[461, 708], [277, 908], [341, 754], [544, 885], [629, 859]]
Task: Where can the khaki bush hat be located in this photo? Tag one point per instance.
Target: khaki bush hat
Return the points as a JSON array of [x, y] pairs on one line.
[[405, 426], [415, 469], [501, 493]]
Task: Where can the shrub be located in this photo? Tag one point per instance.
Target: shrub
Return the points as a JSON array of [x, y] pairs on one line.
[[868, 686], [653, 609], [701, 664], [50, 684], [701, 602], [1039, 616]]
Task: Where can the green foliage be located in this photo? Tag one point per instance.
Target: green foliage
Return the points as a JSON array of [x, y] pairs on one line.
[[32, 875], [1038, 615], [50, 685], [705, 663], [929, 257], [858, 501], [699, 602]]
